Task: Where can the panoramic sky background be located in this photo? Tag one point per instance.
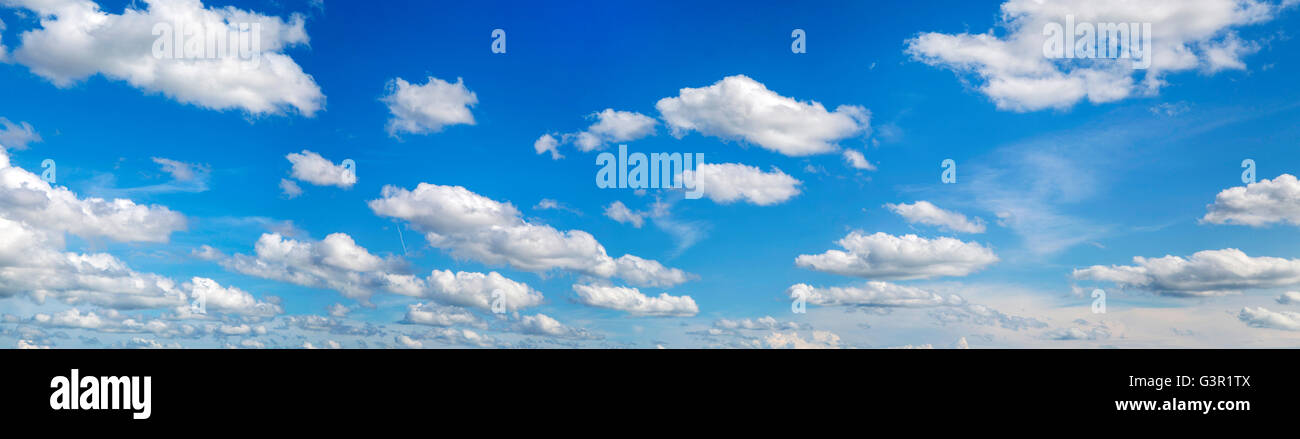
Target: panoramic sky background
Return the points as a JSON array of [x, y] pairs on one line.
[[380, 176]]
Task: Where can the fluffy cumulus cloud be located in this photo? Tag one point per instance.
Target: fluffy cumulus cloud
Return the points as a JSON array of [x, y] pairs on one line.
[[478, 290], [1261, 317], [544, 325], [447, 336], [32, 265], [231, 300], [612, 127], [289, 189], [649, 273], [171, 326], [927, 213], [548, 143], [1012, 68], [730, 182], [1258, 204], [618, 211], [875, 294], [339, 264], [34, 221], [406, 341], [112, 321], [856, 160], [742, 109], [792, 340], [312, 168], [428, 108], [335, 262], [16, 135], [28, 344], [1205, 273], [888, 257], [27, 198], [445, 316], [632, 301], [479, 228], [32, 262], [76, 40]]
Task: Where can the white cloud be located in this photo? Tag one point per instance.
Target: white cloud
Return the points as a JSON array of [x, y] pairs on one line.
[[888, 257], [338, 310], [856, 160], [1170, 109], [476, 290], [328, 344], [450, 336], [148, 343], [4, 52], [28, 344], [762, 323], [544, 325], [634, 302], [15, 135], [1289, 298], [730, 182], [34, 218], [26, 197], [476, 227], [740, 108], [335, 326], [78, 40], [927, 213], [982, 315], [618, 211], [876, 294], [613, 127], [182, 171], [72, 318], [312, 168], [1205, 273], [1258, 204], [1065, 334], [428, 108], [408, 342], [548, 143], [112, 321], [289, 188], [339, 264], [550, 204], [1263, 318], [649, 273], [961, 344], [432, 315], [792, 340], [336, 263], [32, 262], [1013, 71], [231, 300], [99, 278]]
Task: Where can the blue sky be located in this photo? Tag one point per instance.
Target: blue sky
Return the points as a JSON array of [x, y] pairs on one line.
[[1067, 170]]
